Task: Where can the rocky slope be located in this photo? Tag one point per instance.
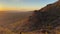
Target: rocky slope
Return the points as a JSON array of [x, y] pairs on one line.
[[44, 20], [47, 18]]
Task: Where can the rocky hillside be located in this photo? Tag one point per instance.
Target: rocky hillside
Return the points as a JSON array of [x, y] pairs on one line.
[[47, 18], [44, 20]]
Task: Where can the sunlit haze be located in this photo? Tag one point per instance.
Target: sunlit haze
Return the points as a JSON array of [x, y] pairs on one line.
[[23, 5]]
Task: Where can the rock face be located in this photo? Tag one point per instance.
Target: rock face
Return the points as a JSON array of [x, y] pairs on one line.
[[45, 18]]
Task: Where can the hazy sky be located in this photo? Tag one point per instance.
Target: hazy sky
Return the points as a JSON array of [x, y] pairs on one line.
[[23, 5]]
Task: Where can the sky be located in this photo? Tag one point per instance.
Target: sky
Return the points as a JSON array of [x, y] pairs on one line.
[[23, 5]]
